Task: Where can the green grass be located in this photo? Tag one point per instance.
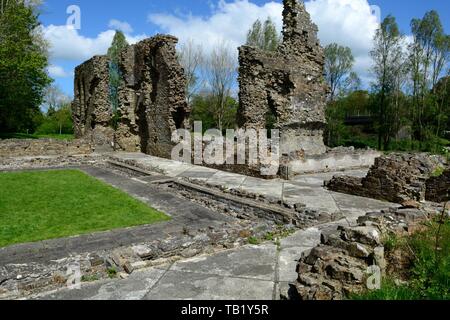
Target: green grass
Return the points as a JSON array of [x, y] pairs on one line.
[[36, 136], [429, 275], [36, 206]]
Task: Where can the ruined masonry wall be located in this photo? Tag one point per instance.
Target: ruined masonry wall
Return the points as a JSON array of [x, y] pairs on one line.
[[91, 109], [287, 85], [152, 101], [152, 98]]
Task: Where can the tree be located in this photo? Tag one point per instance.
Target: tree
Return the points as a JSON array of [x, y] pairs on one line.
[[119, 43], [220, 71], [388, 59], [23, 63], [203, 109], [191, 57], [338, 65], [429, 55], [264, 36], [58, 110], [54, 98]]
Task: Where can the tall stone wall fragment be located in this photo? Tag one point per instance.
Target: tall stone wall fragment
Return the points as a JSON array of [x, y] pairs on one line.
[[152, 100], [91, 108], [287, 85]]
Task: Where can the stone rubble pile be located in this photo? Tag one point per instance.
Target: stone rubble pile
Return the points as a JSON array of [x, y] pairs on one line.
[[339, 266], [396, 178]]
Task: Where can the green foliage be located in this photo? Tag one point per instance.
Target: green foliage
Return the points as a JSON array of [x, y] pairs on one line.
[[90, 278], [338, 65], [56, 122], [203, 109], [264, 36], [119, 43], [254, 241], [430, 270], [37, 206], [112, 273], [23, 63], [36, 136], [438, 172]]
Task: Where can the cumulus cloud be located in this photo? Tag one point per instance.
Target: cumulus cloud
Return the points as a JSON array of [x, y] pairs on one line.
[[348, 22], [123, 26], [57, 72], [228, 22], [67, 44]]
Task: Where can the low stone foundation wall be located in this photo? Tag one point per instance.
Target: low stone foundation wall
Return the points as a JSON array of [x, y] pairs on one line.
[[394, 178], [334, 160], [438, 188], [43, 147]]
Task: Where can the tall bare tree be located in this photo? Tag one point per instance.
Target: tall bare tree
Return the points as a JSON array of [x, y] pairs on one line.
[[191, 57], [221, 68]]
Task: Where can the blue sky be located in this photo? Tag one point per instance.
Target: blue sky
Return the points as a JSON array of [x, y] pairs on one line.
[[348, 22]]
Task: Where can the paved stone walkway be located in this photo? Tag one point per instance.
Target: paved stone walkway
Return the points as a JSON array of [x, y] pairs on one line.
[[306, 189], [250, 272]]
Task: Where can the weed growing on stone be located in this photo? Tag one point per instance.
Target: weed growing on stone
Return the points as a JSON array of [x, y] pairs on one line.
[[429, 272], [112, 273]]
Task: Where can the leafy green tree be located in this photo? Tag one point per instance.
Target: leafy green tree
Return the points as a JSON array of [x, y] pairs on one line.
[[387, 58], [429, 55], [203, 109], [264, 35], [23, 63], [119, 43], [338, 66]]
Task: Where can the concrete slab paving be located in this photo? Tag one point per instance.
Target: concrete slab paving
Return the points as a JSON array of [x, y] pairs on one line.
[[135, 287], [266, 188], [287, 263], [180, 285], [302, 239], [226, 180], [252, 262]]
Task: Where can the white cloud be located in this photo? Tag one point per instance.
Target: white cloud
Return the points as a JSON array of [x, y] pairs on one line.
[[123, 26], [347, 22], [229, 22], [67, 44], [57, 72]]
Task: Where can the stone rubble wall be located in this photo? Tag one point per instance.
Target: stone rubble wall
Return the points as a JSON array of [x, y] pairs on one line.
[[91, 107], [152, 99], [438, 188], [396, 178], [11, 148], [339, 265], [288, 84]]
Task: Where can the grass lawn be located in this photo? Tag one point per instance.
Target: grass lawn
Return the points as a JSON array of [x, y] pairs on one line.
[[52, 204], [36, 136]]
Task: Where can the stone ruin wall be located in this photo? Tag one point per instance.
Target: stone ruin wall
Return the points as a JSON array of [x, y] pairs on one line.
[[287, 84], [398, 178], [152, 100], [91, 109]]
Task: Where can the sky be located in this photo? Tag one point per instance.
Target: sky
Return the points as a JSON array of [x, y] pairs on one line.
[[350, 23]]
